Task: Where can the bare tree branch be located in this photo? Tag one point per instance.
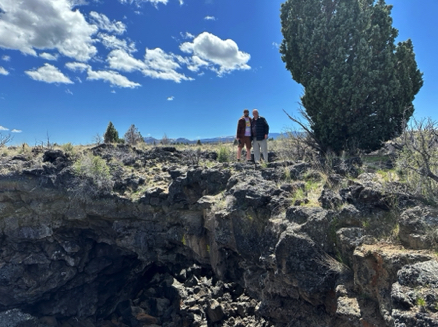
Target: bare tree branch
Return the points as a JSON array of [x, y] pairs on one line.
[[5, 139]]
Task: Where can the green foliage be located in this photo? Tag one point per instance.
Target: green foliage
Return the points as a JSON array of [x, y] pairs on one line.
[[93, 176], [93, 167], [421, 302], [68, 148], [111, 135], [198, 142], [359, 86], [223, 153]]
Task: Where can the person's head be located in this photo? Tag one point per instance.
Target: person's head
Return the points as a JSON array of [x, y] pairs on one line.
[[246, 112], [255, 113]]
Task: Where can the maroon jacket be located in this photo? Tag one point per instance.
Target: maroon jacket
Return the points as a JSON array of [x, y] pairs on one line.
[[241, 127]]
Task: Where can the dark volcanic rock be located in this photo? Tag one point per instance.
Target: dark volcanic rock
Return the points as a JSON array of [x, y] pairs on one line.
[[218, 246]]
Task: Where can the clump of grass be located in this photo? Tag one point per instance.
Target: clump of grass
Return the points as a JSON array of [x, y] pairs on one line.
[[223, 153], [421, 302], [93, 177], [24, 148], [68, 148], [263, 164]]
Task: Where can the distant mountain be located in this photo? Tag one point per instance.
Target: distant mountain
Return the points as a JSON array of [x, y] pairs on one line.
[[219, 139]]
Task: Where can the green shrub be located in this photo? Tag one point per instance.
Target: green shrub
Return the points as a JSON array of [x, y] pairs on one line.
[[223, 154], [93, 177], [68, 148]]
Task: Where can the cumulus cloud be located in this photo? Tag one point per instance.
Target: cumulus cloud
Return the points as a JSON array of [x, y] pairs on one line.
[[105, 24], [224, 56], [77, 66], [3, 128], [210, 18], [6, 58], [3, 71], [48, 74], [170, 98], [162, 65], [123, 61], [48, 56], [114, 78], [156, 64], [112, 42], [27, 25], [16, 130]]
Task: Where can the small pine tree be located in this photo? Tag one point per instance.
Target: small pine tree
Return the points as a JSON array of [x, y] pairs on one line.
[[199, 142], [111, 135]]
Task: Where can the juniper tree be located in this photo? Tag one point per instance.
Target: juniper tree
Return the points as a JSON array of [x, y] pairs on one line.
[[358, 85], [111, 135]]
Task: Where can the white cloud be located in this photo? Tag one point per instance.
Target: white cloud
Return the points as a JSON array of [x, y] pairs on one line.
[[27, 25], [77, 66], [6, 58], [170, 98], [3, 128], [154, 2], [48, 74], [114, 78], [210, 18], [138, 2], [187, 35], [49, 56], [157, 59], [104, 23], [123, 61], [16, 130], [113, 91], [163, 66], [112, 42], [75, 3], [222, 53], [275, 45], [68, 91], [195, 63], [156, 64], [3, 71]]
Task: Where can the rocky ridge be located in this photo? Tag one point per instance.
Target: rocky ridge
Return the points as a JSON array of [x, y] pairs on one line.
[[182, 240]]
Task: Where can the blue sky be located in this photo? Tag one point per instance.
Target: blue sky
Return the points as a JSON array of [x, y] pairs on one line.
[[184, 68]]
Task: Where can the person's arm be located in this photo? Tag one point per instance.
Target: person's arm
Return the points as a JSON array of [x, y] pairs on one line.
[[238, 130], [266, 129]]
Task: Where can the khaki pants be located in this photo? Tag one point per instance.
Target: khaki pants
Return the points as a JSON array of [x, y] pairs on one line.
[[263, 145]]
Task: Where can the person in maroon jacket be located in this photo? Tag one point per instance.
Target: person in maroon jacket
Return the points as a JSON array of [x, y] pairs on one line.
[[243, 135]]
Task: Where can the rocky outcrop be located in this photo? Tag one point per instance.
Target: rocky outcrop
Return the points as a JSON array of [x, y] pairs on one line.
[[179, 244]]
